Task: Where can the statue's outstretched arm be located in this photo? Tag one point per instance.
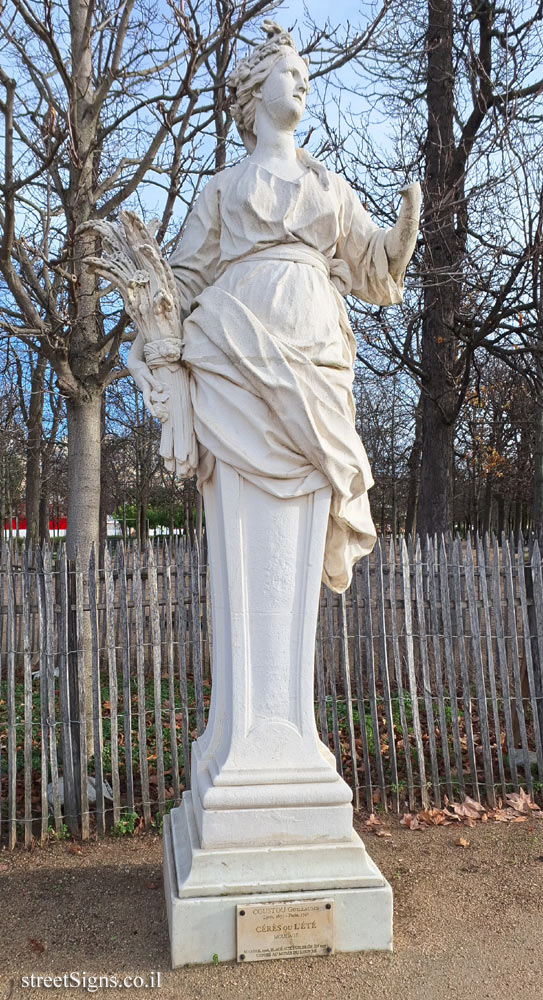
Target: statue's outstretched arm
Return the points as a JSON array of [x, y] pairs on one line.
[[401, 239]]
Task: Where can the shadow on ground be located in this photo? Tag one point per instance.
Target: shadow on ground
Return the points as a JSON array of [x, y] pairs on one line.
[[468, 922]]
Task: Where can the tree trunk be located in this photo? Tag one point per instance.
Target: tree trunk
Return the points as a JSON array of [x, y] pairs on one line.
[[439, 408], [33, 454], [538, 460], [84, 406], [84, 432], [3, 511], [142, 511], [104, 484], [500, 528], [83, 402], [44, 510], [413, 467], [517, 526], [434, 512], [171, 512], [486, 524]]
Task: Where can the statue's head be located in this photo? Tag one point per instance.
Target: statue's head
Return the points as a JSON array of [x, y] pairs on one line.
[[247, 82]]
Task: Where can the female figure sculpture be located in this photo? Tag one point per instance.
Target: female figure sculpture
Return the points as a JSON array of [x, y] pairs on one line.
[[270, 249]]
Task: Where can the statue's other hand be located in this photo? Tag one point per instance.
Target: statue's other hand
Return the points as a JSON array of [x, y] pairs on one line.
[[149, 385], [411, 200], [400, 241], [148, 393]]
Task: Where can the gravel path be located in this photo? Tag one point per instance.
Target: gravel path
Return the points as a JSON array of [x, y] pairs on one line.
[[468, 922]]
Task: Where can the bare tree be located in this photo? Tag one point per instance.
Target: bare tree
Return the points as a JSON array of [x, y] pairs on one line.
[[493, 451], [460, 85], [384, 409], [11, 453], [491, 50], [106, 96], [537, 291]]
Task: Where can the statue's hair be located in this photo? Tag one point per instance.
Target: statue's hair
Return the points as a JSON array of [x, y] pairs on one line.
[[251, 73]]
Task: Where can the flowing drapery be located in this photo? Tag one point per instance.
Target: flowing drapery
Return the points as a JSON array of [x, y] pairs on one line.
[[267, 340]]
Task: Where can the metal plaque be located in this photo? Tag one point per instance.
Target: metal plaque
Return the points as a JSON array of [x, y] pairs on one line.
[[285, 930]]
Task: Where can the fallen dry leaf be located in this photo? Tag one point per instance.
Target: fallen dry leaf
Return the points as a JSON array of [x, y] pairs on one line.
[[473, 804], [519, 808], [371, 822], [433, 817], [450, 815], [500, 816], [74, 849], [411, 822], [521, 802], [383, 833], [138, 826], [36, 945], [468, 809], [462, 842]]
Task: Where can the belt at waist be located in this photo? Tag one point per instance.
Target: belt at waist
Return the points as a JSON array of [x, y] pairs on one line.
[[337, 271]]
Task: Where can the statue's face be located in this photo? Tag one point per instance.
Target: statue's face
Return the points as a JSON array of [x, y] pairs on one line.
[[284, 90]]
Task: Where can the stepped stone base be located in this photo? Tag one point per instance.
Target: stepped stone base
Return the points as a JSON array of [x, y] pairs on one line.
[[204, 887]]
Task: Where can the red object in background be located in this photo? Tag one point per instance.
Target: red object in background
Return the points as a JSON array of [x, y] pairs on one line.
[[54, 525]]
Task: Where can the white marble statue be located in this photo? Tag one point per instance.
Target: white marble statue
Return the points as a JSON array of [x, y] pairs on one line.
[[252, 358], [270, 249]]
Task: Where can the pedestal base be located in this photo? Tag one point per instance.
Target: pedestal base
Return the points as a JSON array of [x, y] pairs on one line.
[[203, 888]]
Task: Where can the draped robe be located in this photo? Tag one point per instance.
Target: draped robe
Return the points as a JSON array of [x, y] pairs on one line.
[[262, 268]]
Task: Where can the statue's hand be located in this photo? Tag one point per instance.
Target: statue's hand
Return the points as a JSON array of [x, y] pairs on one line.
[[401, 239], [411, 201], [150, 386]]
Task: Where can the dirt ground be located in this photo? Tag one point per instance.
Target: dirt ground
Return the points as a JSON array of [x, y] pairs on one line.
[[468, 922]]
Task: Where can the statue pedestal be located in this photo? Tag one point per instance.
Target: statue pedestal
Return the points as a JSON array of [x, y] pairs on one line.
[[268, 817], [204, 888]]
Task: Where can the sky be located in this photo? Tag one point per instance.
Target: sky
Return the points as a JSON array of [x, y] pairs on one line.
[[322, 9]]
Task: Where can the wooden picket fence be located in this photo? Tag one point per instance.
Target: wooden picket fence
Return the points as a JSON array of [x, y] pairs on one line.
[[428, 679]]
